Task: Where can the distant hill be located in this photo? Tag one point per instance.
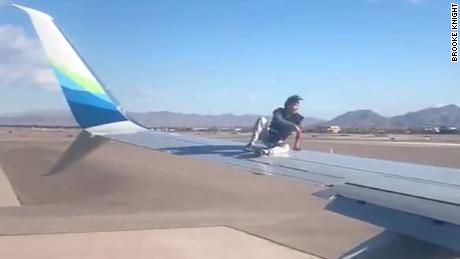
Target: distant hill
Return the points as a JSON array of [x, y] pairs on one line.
[[448, 115], [172, 119], [359, 119], [149, 119]]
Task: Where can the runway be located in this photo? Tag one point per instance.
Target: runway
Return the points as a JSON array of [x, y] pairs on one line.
[[192, 243], [124, 188], [7, 196]]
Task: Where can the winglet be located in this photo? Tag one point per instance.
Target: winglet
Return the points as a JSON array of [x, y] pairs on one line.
[[31, 11], [92, 106]]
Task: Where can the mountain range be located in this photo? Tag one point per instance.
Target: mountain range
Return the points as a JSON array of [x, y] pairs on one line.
[[448, 115], [172, 119], [149, 119]]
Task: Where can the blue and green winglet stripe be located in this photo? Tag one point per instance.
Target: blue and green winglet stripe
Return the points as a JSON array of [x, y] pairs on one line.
[[88, 101]]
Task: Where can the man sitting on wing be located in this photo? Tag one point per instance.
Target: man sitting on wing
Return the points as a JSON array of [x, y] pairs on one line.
[[285, 121]]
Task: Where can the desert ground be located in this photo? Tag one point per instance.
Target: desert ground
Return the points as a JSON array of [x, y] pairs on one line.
[[123, 200]]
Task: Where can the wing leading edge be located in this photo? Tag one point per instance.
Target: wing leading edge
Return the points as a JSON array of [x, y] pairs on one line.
[[402, 192]]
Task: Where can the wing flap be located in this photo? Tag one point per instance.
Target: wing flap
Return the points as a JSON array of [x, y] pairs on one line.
[[431, 221], [438, 210]]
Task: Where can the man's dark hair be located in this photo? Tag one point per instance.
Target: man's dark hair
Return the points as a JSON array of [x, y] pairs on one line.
[[292, 100]]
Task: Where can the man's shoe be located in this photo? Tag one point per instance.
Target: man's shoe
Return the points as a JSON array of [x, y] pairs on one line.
[[266, 152]]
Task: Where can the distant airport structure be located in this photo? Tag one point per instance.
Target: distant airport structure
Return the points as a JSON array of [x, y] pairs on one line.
[[334, 129]]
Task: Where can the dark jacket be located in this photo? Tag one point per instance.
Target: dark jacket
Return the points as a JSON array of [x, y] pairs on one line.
[[283, 124]]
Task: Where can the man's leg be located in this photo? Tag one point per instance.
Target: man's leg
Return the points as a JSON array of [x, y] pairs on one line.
[[260, 128]]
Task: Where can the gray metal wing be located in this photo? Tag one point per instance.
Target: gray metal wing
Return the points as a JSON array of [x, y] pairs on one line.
[[416, 200]]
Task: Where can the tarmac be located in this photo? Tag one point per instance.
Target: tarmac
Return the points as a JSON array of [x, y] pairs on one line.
[[7, 196], [192, 243], [123, 200]]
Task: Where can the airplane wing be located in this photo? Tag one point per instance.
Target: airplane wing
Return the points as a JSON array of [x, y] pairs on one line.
[[416, 200]]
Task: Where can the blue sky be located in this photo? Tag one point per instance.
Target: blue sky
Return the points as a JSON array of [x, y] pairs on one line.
[[391, 56]]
